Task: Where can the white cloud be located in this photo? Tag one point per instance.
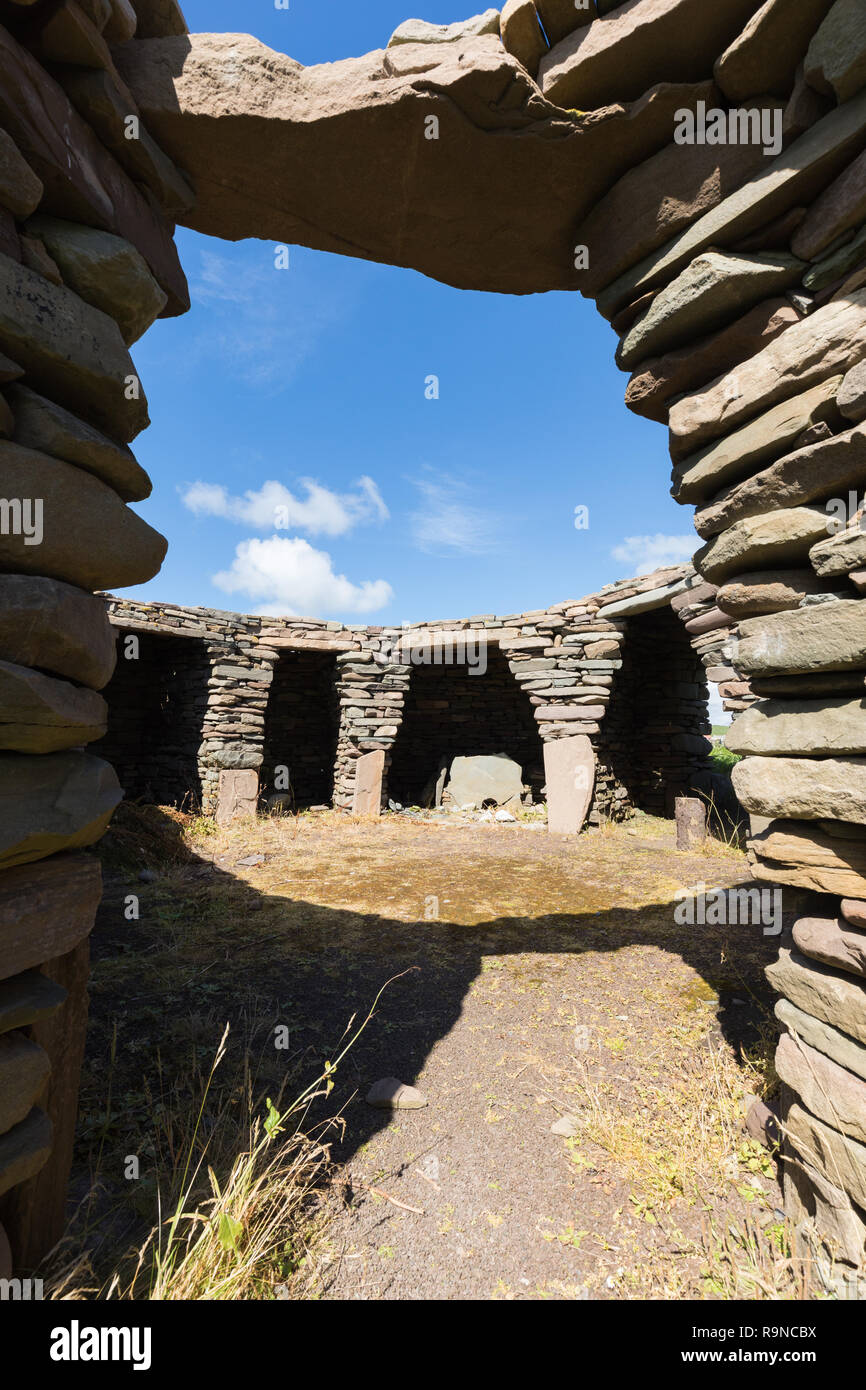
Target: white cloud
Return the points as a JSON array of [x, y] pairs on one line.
[[287, 576], [643, 554], [447, 521], [274, 507]]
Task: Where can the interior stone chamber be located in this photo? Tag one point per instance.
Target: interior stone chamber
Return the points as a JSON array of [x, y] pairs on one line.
[[540, 147]]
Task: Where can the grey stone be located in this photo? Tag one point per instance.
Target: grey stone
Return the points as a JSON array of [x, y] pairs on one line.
[[767, 591], [829, 638], [24, 1070], [475, 780], [812, 728], [836, 59], [367, 793], [804, 855], [851, 399], [833, 1154], [792, 180], [109, 545], [803, 788], [826, 344], [238, 795], [839, 208], [43, 425], [704, 473], [713, 290], [56, 627], [824, 470], [521, 33], [20, 189], [777, 539], [827, 1090], [834, 268], [105, 271], [828, 995], [53, 802], [71, 351], [839, 554], [39, 714], [849, 1053], [391, 1094]]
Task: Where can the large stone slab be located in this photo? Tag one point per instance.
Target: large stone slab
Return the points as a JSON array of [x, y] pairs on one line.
[[367, 793], [70, 351], [42, 424], [777, 539], [766, 55], [474, 781], [46, 911], [828, 469], [54, 802], [56, 627], [803, 788], [105, 270], [24, 1149], [846, 1051], [238, 795], [851, 399], [836, 59], [715, 288], [81, 179], [832, 941], [840, 1158], [840, 208], [639, 43], [109, 545], [814, 728], [656, 382], [703, 474], [27, 999], [39, 714], [767, 591], [827, 343], [562, 17], [839, 555], [827, 637], [20, 189], [803, 855], [24, 1070], [300, 148], [793, 180], [569, 769], [521, 33], [655, 201], [826, 994], [827, 1090], [420, 31]]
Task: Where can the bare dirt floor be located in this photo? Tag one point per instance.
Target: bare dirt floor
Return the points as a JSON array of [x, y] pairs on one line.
[[528, 980]]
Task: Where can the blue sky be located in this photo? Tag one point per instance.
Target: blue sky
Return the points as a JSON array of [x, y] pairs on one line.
[[303, 390]]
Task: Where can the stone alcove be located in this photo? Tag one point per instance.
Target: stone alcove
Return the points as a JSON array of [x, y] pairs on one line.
[[301, 729]]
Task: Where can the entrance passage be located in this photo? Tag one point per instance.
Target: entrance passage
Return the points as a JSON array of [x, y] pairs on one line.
[[652, 747], [452, 712], [156, 704], [301, 729]]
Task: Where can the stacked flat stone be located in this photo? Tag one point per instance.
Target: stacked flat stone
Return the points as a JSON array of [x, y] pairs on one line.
[[88, 202]]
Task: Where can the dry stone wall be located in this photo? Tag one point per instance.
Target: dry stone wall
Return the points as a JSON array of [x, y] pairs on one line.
[[697, 170], [88, 203]]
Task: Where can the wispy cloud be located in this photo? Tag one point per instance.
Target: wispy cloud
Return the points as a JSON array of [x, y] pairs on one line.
[[265, 321], [642, 554], [275, 507], [286, 576], [447, 521]]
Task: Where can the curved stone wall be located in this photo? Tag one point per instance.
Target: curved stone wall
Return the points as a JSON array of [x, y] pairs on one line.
[[696, 169]]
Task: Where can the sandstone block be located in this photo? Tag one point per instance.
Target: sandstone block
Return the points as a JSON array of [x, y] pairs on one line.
[[46, 911], [777, 539], [842, 1159], [20, 189], [54, 802], [27, 999], [767, 591], [802, 788], [833, 942], [24, 1149], [72, 352], [766, 55], [238, 795], [829, 637], [849, 1054], [840, 208], [24, 1070], [804, 855], [715, 288], [826, 994], [851, 399], [569, 769], [839, 555], [105, 271], [39, 714], [827, 1090], [814, 728], [108, 547], [836, 59], [420, 31], [521, 33], [42, 424], [56, 627], [369, 774]]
